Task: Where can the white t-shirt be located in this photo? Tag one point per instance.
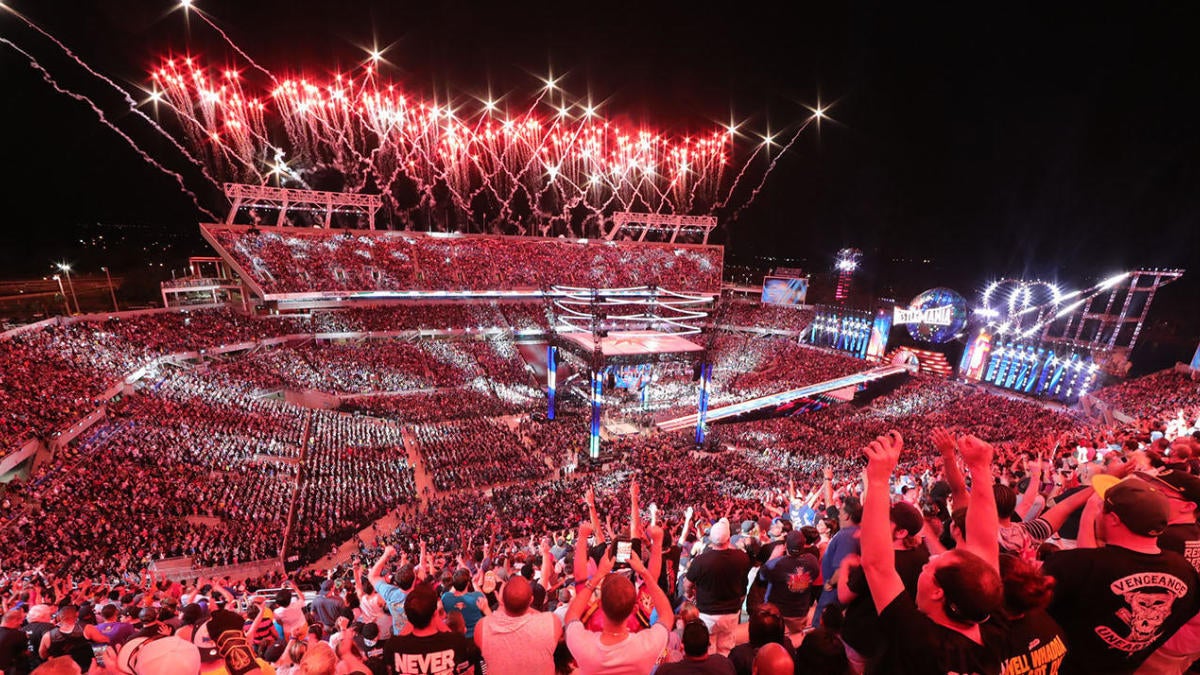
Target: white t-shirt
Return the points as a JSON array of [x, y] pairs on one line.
[[635, 655], [292, 616]]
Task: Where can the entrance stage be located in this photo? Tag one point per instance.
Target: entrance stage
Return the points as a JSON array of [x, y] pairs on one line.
[[854, 381]]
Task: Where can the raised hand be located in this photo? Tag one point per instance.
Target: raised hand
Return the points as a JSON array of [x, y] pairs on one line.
[[635, 562], [585, 530], [882, 455], [976, 451], [943, 441]]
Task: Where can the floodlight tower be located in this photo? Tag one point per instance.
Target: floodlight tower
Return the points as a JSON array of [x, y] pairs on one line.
[[848, 260]]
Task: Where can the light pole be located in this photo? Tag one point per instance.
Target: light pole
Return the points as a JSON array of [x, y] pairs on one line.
[[63, 293], [67, 270], [111, 290]]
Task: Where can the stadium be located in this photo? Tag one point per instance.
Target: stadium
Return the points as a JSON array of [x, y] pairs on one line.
[[501, 403]]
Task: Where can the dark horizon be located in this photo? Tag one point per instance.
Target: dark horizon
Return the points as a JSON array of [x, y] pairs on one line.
[[1042, 143]]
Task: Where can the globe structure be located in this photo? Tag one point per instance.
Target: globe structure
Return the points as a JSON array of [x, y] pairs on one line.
[[936, 298]]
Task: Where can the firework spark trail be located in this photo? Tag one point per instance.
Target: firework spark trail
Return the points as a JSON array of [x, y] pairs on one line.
[[133, 106], [33, 63], [770, 167], [232, 44], [543, 167]]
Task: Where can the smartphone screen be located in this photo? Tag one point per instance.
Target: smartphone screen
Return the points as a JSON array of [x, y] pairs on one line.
[[624, 548]]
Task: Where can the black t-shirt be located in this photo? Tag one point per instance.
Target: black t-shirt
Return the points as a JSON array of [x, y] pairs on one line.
[[917, 645], [1116, 606], [1036, 643], [860, 628], [13, 646], [720, 577], [1184, 539], [439, 654]]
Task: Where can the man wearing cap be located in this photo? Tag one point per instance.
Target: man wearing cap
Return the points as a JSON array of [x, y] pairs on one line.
[[718, 577], [788, 579], [1120, 602], [1182, 491], [1181, 536], [328, 606]]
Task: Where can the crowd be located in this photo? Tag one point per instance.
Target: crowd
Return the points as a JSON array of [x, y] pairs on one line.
[[1168, 395], [355, 470], [473, 452], [803, 544], [762, 316], [295, 260], [509, 315]]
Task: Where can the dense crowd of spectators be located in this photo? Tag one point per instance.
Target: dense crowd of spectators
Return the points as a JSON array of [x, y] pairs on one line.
[[762, 316], [1165, 395], [296, 261]]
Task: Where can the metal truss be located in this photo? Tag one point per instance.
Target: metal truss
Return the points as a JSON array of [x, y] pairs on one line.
[[286, 199], [644, 223]]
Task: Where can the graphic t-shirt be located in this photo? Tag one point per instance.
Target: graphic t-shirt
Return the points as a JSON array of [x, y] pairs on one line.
[[917, 645], [1116, 606], [439, 654], [1184, 539], [801, 514], [1037, 645], [789, 579]]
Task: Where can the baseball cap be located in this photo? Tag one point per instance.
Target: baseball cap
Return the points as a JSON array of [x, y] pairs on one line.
[[148, 614], [747, 526], [1181, 483], [326, 585], [795, 541], [159, 656], [907, 517], [1139, 505]]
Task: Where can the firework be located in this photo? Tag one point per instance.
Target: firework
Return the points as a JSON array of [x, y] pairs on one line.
[[494, 168]]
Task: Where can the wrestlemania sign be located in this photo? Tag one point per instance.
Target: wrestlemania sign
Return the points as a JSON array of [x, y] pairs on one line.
[[937, 315]]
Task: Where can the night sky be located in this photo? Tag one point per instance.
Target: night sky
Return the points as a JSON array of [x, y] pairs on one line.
[[1049, 141]]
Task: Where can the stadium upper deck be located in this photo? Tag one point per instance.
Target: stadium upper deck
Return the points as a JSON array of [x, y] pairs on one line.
[[283, 263]]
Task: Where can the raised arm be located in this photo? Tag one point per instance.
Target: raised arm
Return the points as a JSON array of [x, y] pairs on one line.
[[656, 551], [662, 604], [983, 524], [635, 514], [376, 574], [875, 532], [687, 523], [581, 600], [945, 445], [1031, 492], [1058, 514]]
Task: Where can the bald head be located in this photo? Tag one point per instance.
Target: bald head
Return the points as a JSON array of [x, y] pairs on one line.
[[773, 659], [517, 596], [14, 618]]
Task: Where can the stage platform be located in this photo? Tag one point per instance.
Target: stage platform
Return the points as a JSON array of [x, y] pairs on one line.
[[624, 344], [855, 380]]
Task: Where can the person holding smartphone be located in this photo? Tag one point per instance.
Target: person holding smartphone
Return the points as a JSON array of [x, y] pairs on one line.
[[615, 650]]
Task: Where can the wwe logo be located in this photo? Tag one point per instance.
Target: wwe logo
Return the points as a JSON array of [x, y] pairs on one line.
[[935, 316]]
